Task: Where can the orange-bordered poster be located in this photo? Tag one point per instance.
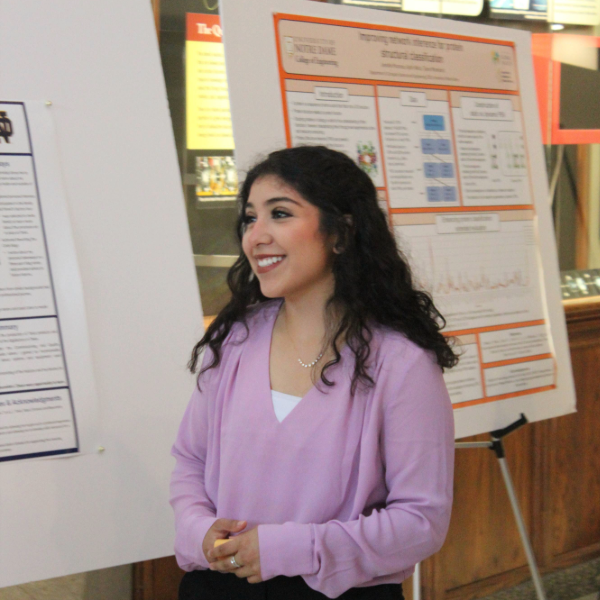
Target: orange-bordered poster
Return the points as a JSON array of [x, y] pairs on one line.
[[436, 120]]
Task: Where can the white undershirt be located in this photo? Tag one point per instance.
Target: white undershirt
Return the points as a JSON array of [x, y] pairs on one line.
[[283, 404]]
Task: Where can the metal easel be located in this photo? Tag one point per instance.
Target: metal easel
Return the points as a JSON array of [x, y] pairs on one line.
[[496, 445]]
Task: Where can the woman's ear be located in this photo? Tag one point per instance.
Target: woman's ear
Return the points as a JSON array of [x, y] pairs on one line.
[[346, 229]]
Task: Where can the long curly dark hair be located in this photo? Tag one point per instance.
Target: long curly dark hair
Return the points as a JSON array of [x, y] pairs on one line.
[[373, 281]]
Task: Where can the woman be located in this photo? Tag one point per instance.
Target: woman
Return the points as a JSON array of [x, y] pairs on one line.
[[320, 438]]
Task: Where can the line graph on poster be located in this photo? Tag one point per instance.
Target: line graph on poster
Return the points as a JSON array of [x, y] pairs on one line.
[[473, 264], [477, 279]]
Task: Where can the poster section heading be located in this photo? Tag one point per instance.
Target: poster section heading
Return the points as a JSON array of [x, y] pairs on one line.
[[36, 409], [436, 121]]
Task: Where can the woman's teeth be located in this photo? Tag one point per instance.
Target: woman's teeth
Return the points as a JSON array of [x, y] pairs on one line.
[[265, 262]]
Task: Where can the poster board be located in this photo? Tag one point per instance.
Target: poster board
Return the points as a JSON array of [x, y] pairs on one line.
[[443, 117], [115, 157]]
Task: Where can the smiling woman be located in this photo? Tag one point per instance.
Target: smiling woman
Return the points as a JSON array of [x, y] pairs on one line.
[[319, 441]]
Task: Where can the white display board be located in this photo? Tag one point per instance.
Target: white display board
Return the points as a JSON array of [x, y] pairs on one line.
[[443, 117], [106, 141]]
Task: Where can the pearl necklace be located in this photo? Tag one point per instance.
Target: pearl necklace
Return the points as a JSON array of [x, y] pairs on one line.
[[311, 364], [303, 364]]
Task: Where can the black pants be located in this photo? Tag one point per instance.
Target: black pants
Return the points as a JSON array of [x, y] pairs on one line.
[[210, 585]]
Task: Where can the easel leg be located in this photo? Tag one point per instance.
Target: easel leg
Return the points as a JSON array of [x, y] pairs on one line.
[[497, 447], [416, 582], [535, 574]]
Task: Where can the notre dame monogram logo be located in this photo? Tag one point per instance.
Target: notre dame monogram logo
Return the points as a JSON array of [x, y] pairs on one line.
[[6, 129]]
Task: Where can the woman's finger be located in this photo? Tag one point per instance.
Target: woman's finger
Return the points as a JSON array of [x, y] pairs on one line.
[[227, 549], [228, 525], [254, 579], [223, 565], [244, 572]]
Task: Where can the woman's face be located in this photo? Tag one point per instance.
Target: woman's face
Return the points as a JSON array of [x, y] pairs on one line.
[[288, 253]]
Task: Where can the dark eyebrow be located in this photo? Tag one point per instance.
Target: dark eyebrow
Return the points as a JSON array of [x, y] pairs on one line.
[[275, 201]]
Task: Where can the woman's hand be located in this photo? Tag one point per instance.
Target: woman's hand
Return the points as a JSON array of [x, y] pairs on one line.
[[244, 548], [220, 530]]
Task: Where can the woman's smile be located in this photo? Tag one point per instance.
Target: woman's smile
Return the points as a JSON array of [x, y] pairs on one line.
[[266, 263]]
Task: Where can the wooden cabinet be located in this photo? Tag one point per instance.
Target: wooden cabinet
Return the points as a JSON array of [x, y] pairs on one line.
[[555, 466], [572, 486], [156, 579]]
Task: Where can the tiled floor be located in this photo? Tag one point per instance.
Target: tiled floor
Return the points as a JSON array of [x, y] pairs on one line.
[[581, 582], [106, 584]]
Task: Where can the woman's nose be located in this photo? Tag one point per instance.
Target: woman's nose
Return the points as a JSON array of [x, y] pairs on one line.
[[259, 233]]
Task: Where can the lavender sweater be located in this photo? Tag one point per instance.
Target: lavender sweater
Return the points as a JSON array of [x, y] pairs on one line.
[[346, 492]]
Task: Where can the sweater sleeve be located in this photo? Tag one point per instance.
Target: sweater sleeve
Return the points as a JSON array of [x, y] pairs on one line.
[[417, 443], [194, 512]]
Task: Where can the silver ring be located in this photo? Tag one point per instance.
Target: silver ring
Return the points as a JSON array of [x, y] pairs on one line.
[[234, 563]]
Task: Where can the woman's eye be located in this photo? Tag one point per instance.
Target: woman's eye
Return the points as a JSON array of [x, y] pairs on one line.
[[248, 219], [280, 214]]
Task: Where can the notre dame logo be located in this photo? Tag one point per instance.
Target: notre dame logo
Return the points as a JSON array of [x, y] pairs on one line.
[[6, 129]]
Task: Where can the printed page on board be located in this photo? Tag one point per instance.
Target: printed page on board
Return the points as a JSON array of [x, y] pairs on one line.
[[37, 405], [436, 121]]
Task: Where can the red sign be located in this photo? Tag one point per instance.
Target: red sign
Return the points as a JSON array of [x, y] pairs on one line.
[[547, 78], [203, 28]]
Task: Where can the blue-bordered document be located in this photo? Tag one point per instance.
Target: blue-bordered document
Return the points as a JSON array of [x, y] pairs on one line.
[[37, 412]]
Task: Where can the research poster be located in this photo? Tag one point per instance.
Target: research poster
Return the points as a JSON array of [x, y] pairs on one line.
[[436, 118], [441, 135], [37, 413]]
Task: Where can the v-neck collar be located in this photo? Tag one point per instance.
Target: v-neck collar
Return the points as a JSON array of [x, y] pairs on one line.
[[264, 357], [266, 390]]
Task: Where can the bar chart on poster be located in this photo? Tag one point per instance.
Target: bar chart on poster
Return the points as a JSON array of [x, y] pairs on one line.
[[437, 114]]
